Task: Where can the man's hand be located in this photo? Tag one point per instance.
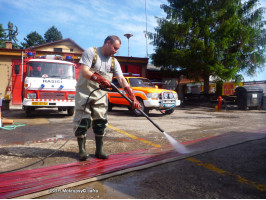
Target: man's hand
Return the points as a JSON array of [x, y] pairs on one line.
[[132, 97], [104, 83]]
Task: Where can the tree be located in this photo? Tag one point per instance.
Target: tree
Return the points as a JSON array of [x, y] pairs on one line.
[[2, 37], [210, 37], [52, 34], [9, 36], [33, 39]]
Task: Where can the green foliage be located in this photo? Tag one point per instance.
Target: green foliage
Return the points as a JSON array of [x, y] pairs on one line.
[[52, 34], [9, 34], [238, 79], [2, 37], [219, 88], [33, 39], [210, 37]]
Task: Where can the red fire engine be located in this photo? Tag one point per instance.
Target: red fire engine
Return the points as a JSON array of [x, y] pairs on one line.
[[47, 81]]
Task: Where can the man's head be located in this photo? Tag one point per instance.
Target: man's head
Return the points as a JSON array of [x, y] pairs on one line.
[[111, 45]]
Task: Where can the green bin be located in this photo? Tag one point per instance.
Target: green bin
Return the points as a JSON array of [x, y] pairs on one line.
[[249, 97]]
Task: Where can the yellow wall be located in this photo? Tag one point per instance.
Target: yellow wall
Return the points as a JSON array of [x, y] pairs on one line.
[[65, 45], [229, 88], [7, 55], [5, 74]]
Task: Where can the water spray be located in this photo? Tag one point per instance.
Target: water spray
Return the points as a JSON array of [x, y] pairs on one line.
[[177, 145]]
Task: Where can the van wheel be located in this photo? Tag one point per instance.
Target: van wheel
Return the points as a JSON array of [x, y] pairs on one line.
[[70, 111], [110, 106], [167, 112], [143, 108]]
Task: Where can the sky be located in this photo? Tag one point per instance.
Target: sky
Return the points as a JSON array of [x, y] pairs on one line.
[[89, 22]]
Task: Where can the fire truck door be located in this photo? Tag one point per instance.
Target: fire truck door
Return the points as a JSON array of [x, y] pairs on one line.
[[17, 83]]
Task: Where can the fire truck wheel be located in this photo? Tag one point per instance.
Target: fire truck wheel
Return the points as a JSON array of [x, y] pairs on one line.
[[70, 111], [28, 111]]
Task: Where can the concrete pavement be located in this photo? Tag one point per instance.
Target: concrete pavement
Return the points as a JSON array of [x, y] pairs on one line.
[[229, 129]]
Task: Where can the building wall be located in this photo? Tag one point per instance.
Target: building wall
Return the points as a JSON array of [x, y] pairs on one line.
[[8, 55], [134, 65], [261, 84], [64, 45], [6, 74]]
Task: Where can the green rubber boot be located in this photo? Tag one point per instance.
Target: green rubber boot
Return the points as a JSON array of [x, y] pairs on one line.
[[99, 148], [83, 155]]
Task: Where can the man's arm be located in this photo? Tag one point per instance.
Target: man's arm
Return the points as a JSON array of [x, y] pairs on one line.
[[123, 82], [85, 71]]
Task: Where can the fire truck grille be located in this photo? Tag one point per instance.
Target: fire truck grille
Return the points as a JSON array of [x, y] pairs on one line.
[[50, 95]]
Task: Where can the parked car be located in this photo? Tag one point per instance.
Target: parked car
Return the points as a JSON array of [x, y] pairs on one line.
[[149, 96]]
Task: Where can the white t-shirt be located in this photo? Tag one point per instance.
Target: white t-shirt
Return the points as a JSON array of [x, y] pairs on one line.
[[103, 63]]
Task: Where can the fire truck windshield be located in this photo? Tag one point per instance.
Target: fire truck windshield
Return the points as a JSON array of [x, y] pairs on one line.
[[50, 70]]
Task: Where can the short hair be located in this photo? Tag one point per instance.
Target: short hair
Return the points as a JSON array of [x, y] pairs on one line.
[[112, 39]]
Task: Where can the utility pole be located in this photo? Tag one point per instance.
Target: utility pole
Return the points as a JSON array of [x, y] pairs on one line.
[[128, 35], [146, 33]]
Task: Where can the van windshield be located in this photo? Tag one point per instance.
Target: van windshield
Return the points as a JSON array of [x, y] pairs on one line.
[[50, 70], [140, 82]]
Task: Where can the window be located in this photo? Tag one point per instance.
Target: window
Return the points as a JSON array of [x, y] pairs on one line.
[[58, 50], [17, 69], [115, 82], [140, 82], [51, 70]]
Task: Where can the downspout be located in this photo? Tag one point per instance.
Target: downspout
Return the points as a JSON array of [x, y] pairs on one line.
[[22, 67]]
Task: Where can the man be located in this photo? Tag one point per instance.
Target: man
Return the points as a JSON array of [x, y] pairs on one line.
[[97, 69], [36, 71]]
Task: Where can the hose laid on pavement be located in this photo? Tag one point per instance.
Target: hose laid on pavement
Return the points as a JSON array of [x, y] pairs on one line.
[[12, 127], [42, 159]]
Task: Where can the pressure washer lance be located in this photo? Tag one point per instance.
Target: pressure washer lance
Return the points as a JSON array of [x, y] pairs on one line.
[[177, 145]]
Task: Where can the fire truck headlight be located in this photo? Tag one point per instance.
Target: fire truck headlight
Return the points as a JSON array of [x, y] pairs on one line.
[[71, 97], [31, 95]]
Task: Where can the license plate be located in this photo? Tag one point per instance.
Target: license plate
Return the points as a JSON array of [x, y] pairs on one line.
[[39, 103], [254, 95]]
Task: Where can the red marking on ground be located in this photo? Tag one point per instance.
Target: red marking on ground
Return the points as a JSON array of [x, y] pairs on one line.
[[20, 183], [198, 140], [25, 182]]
